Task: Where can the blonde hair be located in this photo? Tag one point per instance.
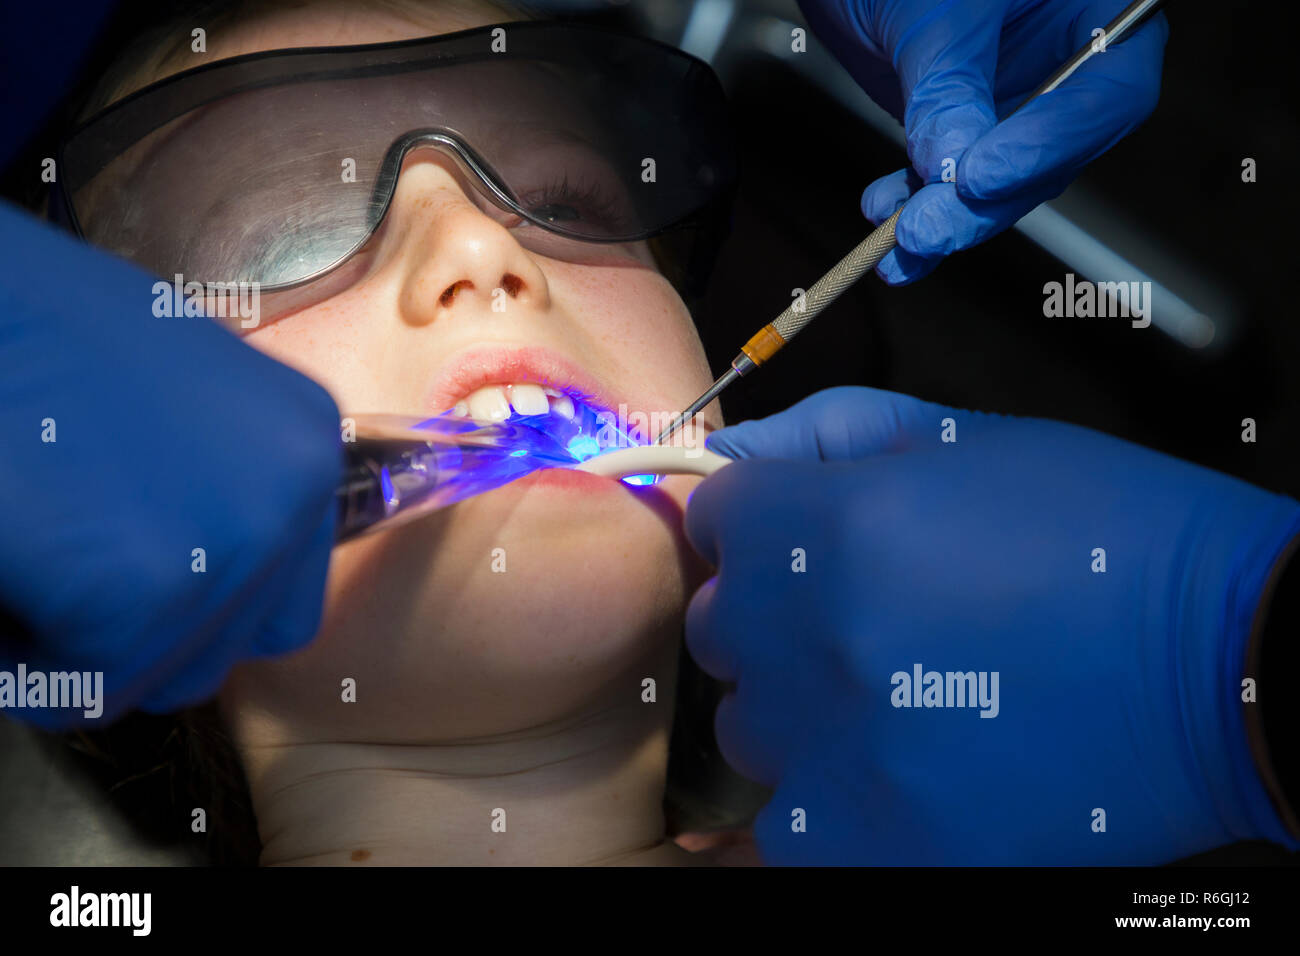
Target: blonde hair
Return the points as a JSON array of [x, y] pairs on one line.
[[165, 49]]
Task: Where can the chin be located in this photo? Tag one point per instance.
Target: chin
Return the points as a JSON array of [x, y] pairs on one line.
[[588, 600]]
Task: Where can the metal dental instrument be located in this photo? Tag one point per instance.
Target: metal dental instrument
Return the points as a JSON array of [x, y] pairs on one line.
[[399, 468], [772, 337]]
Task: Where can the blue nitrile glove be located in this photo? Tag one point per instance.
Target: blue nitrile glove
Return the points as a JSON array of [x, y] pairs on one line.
[[949, 71], [171, 435], [858, 545]]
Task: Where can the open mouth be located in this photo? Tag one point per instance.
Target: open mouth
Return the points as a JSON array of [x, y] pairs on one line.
[[557, 423]]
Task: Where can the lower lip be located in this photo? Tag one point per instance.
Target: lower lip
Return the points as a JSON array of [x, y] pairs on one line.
[[568, 479]]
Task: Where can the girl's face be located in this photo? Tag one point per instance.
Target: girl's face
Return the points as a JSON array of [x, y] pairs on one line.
[[530, 602]]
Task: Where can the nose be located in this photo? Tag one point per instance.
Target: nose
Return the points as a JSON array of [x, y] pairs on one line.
[[461, 261]]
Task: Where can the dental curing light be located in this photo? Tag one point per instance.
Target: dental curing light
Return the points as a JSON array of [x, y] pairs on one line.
[[399, 468]]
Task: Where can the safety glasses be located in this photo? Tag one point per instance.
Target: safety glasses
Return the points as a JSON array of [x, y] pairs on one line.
[[275, 168]]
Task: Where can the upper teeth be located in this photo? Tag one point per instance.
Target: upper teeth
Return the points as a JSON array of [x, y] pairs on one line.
[[492, 403]]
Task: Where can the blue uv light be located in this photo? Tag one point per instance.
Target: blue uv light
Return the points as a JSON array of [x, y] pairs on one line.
[[583, 447], [550, 438]]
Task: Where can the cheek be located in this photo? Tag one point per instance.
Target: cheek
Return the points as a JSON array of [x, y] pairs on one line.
[[331, 344], [637, 316]]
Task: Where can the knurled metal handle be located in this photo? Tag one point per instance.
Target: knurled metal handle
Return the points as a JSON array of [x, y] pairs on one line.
[[843, 274]]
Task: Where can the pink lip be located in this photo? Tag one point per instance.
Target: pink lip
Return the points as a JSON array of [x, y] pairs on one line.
[[474, 368], [565, 479]]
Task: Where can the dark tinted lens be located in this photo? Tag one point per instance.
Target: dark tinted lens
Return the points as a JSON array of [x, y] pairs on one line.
[[253, 187], [275, 168], [638, 136]]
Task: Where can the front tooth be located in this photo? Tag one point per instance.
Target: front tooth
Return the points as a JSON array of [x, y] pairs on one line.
[[489, 404], [563, 405], [528, 399], [461, 410]]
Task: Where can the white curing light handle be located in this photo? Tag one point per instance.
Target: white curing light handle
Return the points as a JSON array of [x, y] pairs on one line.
[[655, 460]]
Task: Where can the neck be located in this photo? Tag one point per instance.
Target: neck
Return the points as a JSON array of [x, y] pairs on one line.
[[584, 790]]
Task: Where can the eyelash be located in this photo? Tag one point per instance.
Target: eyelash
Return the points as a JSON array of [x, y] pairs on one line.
[[594, 199]]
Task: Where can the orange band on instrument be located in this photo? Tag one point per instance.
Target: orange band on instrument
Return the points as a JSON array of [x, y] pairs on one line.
[[765, 343]]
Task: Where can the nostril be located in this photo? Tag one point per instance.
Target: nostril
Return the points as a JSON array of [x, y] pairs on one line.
[[449, 294], [512, 284]]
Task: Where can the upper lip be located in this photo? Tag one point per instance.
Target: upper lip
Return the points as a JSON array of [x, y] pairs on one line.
[[475, 368]]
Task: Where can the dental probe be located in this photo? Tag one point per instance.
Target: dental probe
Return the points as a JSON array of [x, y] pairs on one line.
[[772, 337]]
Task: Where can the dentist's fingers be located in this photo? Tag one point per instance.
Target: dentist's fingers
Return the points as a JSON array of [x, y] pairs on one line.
[[837, 424], [746, 736], [705, 634], [295, 619], [1060, 132], [946, 64], [938, 221]]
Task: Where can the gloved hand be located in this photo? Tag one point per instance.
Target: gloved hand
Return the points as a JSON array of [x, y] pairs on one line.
[[170, 435], [949, 72], [1118, 691]]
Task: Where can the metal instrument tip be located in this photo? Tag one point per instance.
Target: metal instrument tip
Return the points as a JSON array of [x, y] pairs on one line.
[[698, 405]]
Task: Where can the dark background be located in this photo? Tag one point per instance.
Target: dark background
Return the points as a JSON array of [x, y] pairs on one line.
[[972, 334]]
